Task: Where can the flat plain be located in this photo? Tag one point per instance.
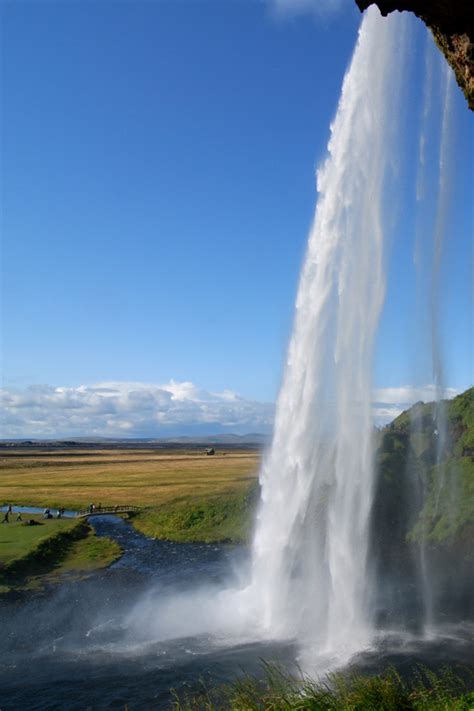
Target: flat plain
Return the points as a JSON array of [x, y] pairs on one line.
[[139, 477]]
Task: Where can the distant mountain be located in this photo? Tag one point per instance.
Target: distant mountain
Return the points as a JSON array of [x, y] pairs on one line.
[[234, 439], [251, 440]]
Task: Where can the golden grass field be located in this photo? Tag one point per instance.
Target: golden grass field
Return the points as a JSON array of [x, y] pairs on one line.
[[76, 478]]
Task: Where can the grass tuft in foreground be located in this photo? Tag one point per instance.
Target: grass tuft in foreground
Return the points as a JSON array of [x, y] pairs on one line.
[[424, 691]]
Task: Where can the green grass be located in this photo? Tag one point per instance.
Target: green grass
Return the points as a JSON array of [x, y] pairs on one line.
[[225, 517], [33, 555], [425, 691], [90, 553], [185, 495], [17, 539]]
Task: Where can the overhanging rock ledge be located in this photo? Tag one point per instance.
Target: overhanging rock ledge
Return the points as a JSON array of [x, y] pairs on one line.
[[452, 25]]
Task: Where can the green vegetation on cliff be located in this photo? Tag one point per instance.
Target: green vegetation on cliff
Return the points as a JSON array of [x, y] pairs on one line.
[[422, 520], [435, 442]]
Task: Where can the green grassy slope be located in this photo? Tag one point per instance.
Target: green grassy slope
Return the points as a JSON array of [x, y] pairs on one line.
[[422, 521], [32, 555], [225, 517], [412, 439], [17, 539]]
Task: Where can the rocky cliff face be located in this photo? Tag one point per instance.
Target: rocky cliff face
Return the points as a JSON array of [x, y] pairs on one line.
[[452, 25]]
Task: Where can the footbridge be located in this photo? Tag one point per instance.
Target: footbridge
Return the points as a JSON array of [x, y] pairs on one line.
[[107, 511]]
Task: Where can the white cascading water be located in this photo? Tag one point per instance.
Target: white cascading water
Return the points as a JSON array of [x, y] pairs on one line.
[[310, 547]]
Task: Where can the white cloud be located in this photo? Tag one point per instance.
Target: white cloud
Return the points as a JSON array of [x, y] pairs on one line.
[[117, 409], [128, 409], [297, 7], [388, 403]]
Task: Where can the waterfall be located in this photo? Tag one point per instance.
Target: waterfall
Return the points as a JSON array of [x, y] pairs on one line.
[[311, 540], [335, 562]]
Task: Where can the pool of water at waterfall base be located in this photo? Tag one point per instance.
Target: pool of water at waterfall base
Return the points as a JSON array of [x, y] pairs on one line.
[[75, 646]]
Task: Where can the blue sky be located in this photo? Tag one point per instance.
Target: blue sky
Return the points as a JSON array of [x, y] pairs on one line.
[[158, 187]]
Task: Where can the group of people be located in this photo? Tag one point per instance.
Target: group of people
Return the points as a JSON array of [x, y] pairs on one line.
[[47, 513], [8, 513]]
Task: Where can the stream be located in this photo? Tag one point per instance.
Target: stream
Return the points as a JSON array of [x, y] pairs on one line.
[[76, 645], [109, 640]]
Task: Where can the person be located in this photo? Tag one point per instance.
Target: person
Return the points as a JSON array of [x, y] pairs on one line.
[[10, 509], [58, 515], [5, 518], [18, 517]]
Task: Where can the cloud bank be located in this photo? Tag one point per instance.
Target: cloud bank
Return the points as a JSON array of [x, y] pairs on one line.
[[124, 409]]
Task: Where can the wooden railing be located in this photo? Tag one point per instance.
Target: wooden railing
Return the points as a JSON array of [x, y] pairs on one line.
[[106, 510]]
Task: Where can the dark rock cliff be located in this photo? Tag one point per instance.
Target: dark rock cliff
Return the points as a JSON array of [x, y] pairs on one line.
[[452, 25]]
